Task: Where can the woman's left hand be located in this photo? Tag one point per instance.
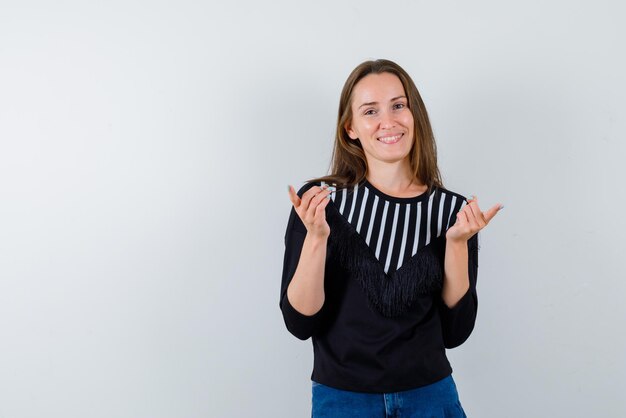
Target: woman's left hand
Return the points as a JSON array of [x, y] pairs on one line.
[[470, 220]]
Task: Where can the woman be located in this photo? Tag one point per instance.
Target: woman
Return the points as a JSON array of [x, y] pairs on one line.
[[380, 267]]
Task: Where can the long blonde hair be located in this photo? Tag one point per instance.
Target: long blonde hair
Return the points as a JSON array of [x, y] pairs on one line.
[[349, 165]]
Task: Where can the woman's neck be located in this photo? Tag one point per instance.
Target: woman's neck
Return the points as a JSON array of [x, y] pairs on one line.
[[395, 180]]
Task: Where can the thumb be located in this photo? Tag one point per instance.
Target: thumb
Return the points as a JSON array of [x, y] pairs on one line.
[[293, 196], [492, 212]]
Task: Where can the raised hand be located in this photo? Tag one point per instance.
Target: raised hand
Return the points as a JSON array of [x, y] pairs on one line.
[[470, 220], [311, 209]]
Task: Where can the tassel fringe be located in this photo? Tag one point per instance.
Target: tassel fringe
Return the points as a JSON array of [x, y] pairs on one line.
[[389, 294]]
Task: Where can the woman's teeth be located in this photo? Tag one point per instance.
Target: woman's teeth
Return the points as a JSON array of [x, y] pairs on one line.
[[390, 139]]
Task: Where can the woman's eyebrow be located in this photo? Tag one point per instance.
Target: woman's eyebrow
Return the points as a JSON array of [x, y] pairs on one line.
[[373, 103]]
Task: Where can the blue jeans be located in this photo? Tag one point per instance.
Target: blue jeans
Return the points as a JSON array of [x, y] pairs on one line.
[[437, 400]]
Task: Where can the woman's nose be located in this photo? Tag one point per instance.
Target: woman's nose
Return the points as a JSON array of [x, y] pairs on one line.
[[386, 120]]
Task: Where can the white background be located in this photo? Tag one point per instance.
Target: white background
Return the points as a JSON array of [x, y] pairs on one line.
[[145, 152]]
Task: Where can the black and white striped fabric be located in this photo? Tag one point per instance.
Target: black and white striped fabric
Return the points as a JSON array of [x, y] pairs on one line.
[[396, 228]]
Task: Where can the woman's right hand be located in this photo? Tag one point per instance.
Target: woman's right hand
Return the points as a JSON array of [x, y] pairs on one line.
[[311, 209]]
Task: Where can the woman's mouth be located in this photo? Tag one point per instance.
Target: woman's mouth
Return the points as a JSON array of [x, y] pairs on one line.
[[390, 139]]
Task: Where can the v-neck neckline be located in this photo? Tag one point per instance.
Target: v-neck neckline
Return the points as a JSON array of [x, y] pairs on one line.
[[406, 264], [390, 294]]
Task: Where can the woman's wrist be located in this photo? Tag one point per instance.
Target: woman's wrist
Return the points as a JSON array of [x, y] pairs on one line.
[[456, 242], [316, 238]]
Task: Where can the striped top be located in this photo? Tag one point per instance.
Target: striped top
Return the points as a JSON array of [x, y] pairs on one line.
[[396, 228]]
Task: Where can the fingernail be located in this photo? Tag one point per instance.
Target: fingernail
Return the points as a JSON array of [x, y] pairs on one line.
[[501, 207], [288, 188]]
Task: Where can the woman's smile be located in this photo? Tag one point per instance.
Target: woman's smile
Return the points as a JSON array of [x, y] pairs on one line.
[[390, 139]]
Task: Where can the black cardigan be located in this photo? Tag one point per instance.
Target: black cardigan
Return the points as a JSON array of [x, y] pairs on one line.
[[377, 333]]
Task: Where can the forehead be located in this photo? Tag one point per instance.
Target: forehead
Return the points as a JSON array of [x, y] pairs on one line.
[[377, 88]]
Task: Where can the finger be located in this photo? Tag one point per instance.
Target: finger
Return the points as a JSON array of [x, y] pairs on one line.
[[320, 213], [321, 196], [474, 223], [293, 196], [477, 219], [461, 218], [316, 201], [309, 195], [492, 212], [477, 214], [468, 217]]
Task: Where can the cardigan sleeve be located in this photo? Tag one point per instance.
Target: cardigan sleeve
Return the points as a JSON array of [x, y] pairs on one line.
[[300, 325], [458, 322]]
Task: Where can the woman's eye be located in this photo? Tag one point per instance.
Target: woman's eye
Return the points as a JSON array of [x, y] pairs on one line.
[[399, 105], [369, 112]]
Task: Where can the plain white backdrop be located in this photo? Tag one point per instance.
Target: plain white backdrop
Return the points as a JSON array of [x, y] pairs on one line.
[[145, 153]]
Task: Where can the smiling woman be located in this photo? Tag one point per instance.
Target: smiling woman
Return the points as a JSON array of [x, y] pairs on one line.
[[380, 269], [382, 121]]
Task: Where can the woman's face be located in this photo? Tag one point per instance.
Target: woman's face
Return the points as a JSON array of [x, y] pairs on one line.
[[381, 118]]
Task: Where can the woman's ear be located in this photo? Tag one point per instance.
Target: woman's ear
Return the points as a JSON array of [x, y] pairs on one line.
[[350, 131]]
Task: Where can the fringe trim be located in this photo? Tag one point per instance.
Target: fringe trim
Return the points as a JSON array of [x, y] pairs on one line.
[[391, 295]]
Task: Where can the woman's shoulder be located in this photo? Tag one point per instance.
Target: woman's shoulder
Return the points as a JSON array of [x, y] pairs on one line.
[[450, 193], [307, 185]]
